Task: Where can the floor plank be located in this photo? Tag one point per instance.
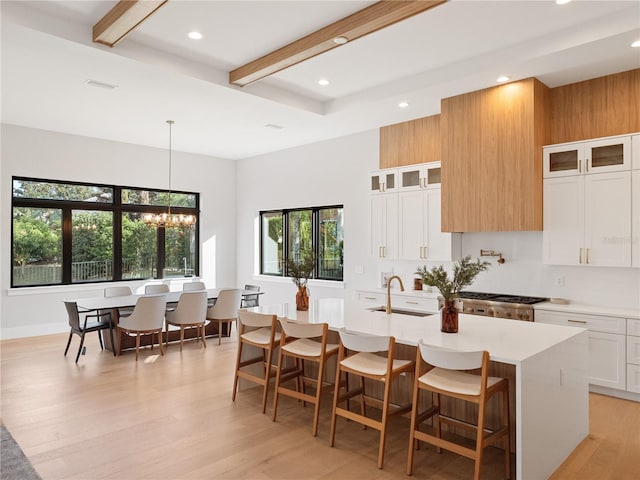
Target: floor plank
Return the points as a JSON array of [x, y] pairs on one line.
[[171, 417]]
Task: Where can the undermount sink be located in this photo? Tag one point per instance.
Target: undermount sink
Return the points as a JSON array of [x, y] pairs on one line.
[[401, 311]]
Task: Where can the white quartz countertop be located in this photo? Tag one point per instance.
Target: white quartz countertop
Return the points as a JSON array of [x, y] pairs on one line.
[[507, 341], [589, 309]]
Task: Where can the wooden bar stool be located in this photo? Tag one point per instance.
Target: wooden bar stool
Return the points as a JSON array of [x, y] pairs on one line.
[[364, 362], [303, 342], [446, 378], [257, 330]]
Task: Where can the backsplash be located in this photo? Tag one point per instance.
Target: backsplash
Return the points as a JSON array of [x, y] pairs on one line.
[[524, 274]]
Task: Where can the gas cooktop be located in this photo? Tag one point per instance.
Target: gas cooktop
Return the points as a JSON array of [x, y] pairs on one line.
[[499, 297]]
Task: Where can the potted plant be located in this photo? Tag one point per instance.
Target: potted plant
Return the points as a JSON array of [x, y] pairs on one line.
[[464, 273], [300, 272]]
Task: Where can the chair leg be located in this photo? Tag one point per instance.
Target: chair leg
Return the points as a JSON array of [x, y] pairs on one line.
[[316, 411], [385, 418], [166, 337], [113, 345], [412, 429], [437, 424], [267, 376], [336, 394], [219, 332], [277, 385], [479, 440], [80, 348], [201, 329], [137, 345], [235, 376], [100, 339], [181, 336], [159, 341], [68, 343]]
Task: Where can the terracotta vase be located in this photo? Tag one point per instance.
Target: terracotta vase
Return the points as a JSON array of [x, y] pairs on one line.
[[302, 299], [449, 317]]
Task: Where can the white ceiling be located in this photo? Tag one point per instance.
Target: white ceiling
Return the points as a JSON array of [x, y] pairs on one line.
[[461, 46]]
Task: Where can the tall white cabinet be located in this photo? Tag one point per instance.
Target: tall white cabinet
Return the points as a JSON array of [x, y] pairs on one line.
[[414, 233], [588, 203], [635, 201]]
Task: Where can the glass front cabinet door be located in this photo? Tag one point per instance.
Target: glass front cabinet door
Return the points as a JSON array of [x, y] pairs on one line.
[[419, 177], [582, 158], [383, 181]]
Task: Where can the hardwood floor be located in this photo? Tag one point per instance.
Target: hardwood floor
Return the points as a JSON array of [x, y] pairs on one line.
[[172, 417]]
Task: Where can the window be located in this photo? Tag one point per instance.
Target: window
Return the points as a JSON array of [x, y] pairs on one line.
[[65, 233], [294, 233]]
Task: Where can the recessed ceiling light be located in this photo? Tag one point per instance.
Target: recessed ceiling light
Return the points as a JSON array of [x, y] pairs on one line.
[[562, 2], [95, 83], [636, 44], [194, 35], [503, 79], [274, 126], [323, 82], [340, 40], [403, 105]]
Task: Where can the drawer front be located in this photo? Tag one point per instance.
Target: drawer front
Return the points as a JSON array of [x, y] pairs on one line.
[[422, 304], [371, 297], [633, 350], [633, 378], [595, 323], [633, 327]]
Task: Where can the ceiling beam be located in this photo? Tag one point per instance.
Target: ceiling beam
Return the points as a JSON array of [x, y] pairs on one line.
[[123, 18], [363, 22]]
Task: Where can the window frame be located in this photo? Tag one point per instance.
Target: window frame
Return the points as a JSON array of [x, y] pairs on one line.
[[315, 239], [118, 209]]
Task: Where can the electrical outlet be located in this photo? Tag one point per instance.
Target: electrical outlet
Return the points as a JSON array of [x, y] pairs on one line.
[[559, 281]]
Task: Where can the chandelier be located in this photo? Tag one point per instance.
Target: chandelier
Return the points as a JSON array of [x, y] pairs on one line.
[[167, 219]]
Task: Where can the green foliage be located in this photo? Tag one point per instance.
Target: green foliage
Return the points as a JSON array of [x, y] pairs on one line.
[[301, 271], [464, 273], [37, 235]]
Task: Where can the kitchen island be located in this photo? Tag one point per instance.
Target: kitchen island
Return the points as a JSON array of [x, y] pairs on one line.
[[551, 389]]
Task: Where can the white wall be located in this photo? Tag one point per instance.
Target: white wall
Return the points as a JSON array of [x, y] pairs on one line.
[[326, 173], [43, 154], [336, 171]]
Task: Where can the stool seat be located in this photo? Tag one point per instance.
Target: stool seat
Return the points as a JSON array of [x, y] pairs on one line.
[[261, 336], [455, 382], [305, 347], [371, 364]]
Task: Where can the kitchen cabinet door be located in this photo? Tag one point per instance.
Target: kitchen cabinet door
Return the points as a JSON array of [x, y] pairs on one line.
[[607, 206], [635, 152], [635, 216], [607, 155], [563, 232], [419, 177], [384, 226], [563, 160], [607, 362], [421, 235], [383, 181]]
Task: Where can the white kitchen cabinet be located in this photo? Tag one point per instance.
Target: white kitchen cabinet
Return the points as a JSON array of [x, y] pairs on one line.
[[419, 177], [601, 155], [587, 220], [607, 345], [407, 300], [383, 181], [633, 355], [635, 152], [420, 234], [635, 213], [384, 226]]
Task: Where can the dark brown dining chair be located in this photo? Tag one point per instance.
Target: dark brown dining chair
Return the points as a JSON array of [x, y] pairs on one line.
[[81, 327]]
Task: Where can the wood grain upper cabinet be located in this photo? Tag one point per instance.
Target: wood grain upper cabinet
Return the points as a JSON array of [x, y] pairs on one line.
[[492, 158], [409, 143]]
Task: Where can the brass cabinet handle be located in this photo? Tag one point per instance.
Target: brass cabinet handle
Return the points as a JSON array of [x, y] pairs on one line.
[[587, 256], [384, 252], [586, 166], [580, 256], [426, 254], [411, 303], [577, 321], [370, 298], [382, 186], [579, 166]]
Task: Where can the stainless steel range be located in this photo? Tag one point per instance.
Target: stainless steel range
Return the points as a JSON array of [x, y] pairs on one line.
[[498, 305]]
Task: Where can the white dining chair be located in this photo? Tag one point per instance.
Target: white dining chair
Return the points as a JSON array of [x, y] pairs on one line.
[[147, 318], [193, 286], [156, 288], [190, 312], [225, 310]]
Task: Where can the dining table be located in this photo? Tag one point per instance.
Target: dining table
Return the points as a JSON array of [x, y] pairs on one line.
[[114, 304]]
